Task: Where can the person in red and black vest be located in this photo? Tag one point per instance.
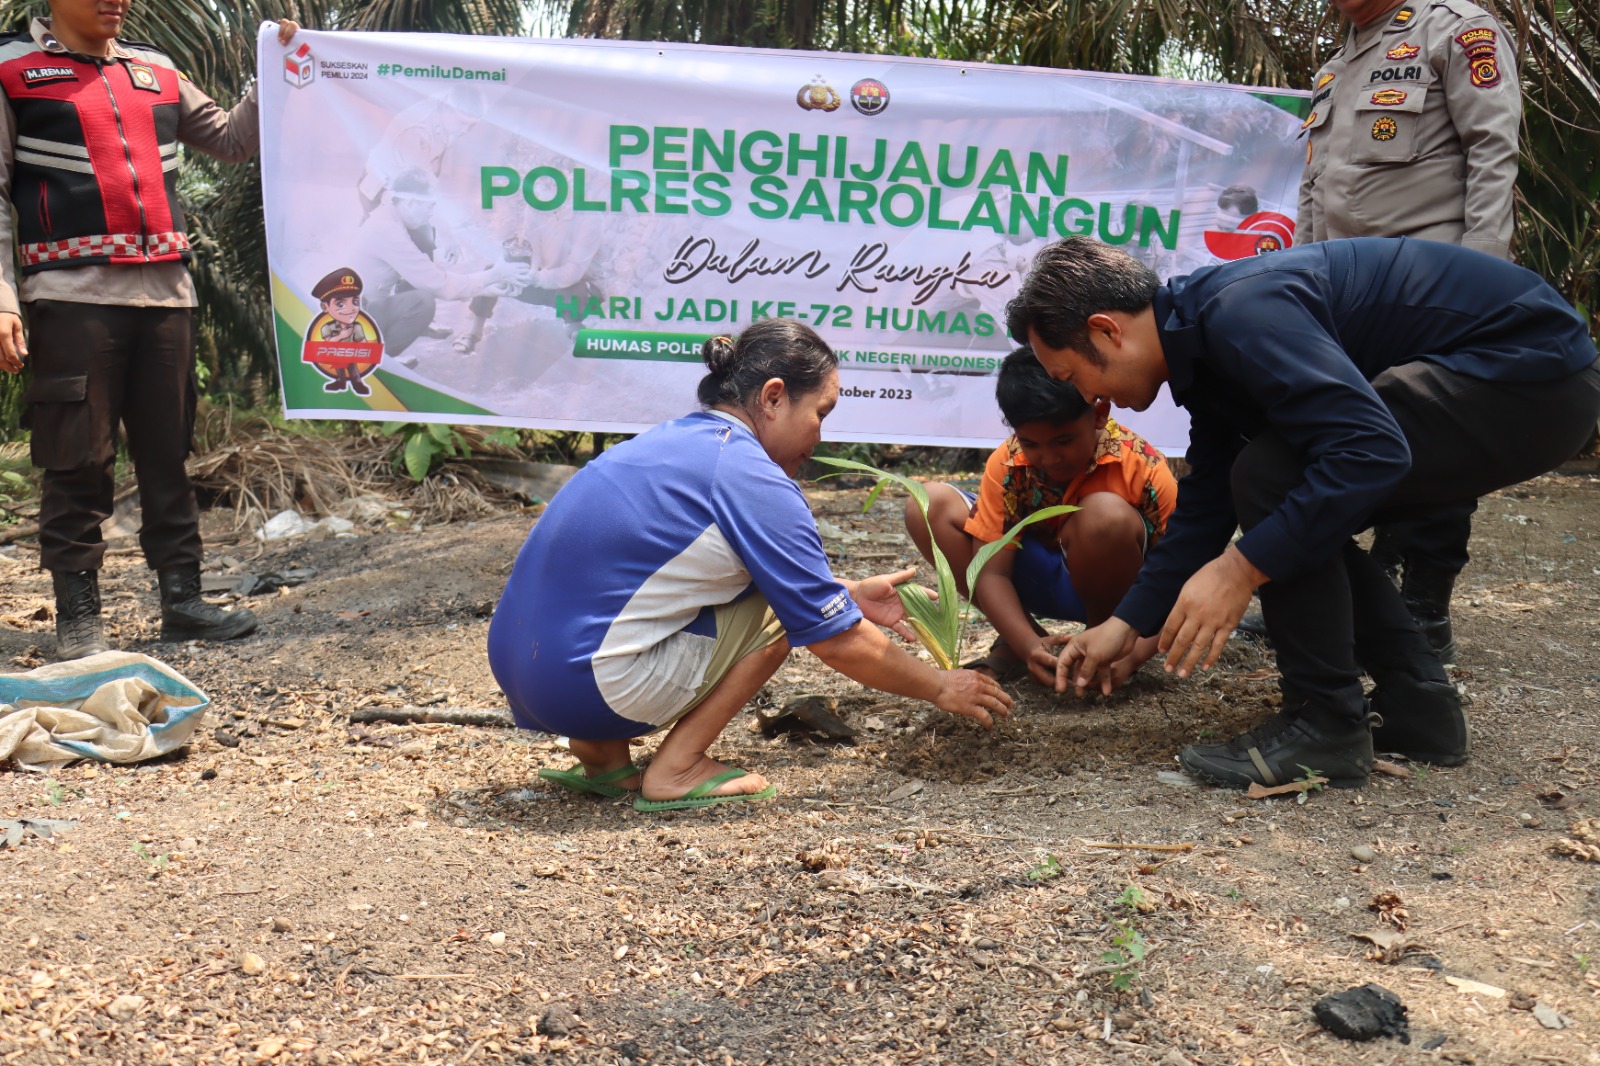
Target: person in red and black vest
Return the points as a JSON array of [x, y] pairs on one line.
[[89, 132]]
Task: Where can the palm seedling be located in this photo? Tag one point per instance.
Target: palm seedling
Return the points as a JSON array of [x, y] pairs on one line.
[[940, 623]]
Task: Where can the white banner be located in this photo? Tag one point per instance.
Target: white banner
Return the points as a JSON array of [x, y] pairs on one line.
[[541, 233]]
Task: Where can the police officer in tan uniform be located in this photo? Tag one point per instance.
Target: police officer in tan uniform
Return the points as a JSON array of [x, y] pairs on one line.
[[1413, 133], [1413, 128]]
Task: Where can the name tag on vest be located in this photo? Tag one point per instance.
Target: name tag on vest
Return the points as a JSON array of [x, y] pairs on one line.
[[40, 75]]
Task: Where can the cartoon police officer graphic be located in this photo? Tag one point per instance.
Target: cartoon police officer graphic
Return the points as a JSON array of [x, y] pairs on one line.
[[343, 341]]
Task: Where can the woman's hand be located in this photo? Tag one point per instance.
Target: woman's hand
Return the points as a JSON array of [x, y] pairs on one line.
[[287, 28], [972, 695], [879, 600]]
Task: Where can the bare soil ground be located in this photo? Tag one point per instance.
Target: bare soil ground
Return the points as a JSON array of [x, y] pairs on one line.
[[295, 888]]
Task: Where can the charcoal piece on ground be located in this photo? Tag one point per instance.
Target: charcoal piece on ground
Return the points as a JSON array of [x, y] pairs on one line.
[[1363, 1013]]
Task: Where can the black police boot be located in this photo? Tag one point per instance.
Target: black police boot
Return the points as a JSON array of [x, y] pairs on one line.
[[185, 616], [1306, 742], [78, 631], [1426, 590], [1422, 720]]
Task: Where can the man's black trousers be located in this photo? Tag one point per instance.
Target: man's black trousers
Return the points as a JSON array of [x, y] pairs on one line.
[[96, 368], [1468, 437]]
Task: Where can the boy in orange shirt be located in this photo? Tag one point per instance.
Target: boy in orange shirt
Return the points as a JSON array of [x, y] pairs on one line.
[[1075, 567]]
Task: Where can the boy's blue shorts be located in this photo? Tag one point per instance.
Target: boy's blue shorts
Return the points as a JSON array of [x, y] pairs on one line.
[[1041, 579]]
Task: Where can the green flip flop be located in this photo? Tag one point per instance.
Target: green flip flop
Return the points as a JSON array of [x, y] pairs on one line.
[[575, 780], [697, 796]]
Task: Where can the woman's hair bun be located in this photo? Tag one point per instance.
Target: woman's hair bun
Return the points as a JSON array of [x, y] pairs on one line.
[[718, 354]]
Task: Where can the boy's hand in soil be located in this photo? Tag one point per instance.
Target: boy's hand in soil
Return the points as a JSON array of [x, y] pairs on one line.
[[880, 602], [1088, 656], [972, 695], [1044, 656]]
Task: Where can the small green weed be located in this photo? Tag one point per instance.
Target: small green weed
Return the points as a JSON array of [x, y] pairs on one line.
[[1127, 951], [56, 793], [1310, 779], [1421, 773], [1048, 870], [425, 446], [156, 862], [1582, 962]]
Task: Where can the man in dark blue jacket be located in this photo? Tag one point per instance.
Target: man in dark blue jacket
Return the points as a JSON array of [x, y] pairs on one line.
[[1329, 386]]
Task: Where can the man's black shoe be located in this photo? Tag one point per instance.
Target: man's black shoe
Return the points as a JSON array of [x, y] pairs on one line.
[[78, 630], [1285, 748], [1422, 720], [185, 616]]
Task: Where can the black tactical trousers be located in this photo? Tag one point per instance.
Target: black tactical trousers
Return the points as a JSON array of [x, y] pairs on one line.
[[97, 368]]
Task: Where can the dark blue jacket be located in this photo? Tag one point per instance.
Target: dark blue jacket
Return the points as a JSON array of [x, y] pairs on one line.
[[1290, 341]]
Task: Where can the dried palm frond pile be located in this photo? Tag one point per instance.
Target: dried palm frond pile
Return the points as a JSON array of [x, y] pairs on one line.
[[258, 470]]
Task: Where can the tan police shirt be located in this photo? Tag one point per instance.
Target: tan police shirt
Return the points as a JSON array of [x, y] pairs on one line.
[[1413, 131]]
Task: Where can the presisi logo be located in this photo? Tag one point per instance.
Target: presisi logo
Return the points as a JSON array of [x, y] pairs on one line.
[[299, 67], [37, 75]]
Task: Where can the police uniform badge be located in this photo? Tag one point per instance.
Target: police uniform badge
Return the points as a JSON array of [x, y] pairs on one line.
[[1309, 120], [1403, 16], [1478, 45], [1403, 50], [1385, 129], [1389, 97], [144, 77]]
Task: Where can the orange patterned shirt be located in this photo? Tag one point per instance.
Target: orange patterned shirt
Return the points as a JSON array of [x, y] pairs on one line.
[[1124, 463]]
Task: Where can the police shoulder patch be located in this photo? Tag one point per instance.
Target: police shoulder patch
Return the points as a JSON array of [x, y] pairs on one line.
[[1485, 72], [1478, 45], [1403, 16]]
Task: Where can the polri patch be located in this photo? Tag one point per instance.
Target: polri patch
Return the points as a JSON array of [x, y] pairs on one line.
[[144, 77], [1325, 79], [1309, 120], [1389, 97], [1384, 129], [1485, 72], [42, 75], [1403, 50], [1478, 45], [1403, 16]]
